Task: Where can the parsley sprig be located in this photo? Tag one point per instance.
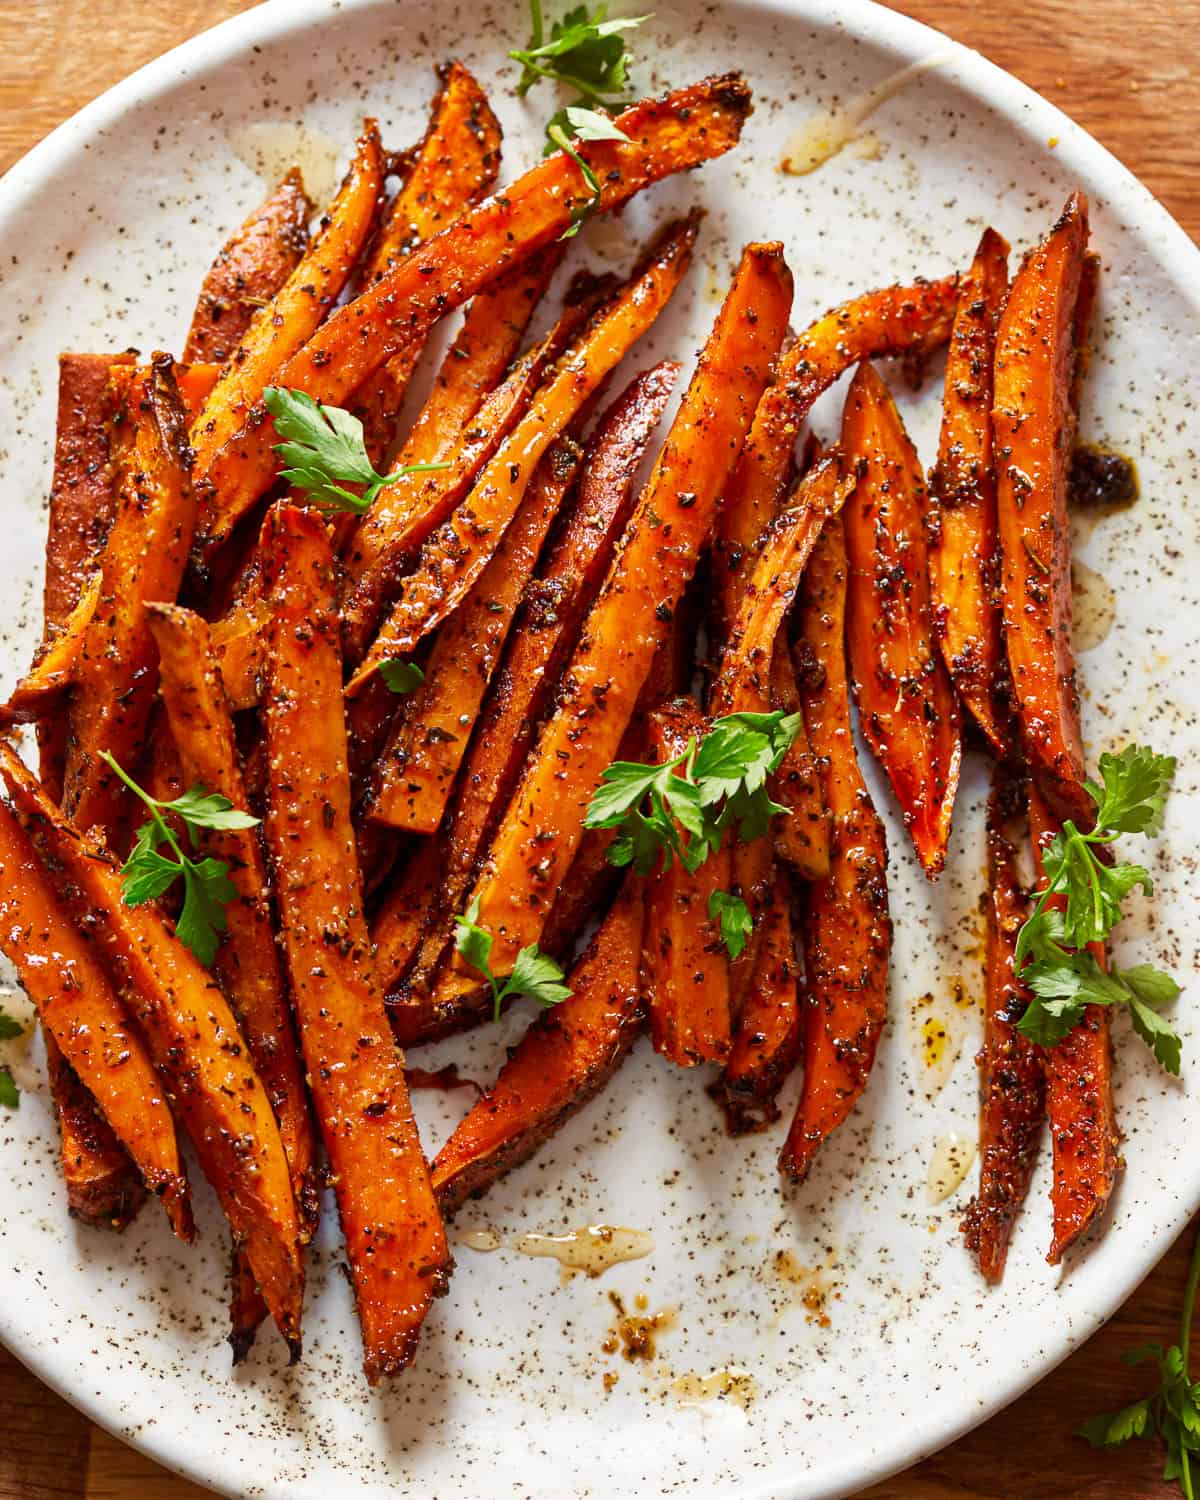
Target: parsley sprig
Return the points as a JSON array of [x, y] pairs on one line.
[[401, 676], [1173, 1412], [587, 125], [1087, 893], [534, 973], [207, 888], [10, 1094], [682, 809], [324, 450]]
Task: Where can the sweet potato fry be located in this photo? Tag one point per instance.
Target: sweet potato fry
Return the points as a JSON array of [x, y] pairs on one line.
[[395, 1242], [144, 560], [541, 828], [251, 267], [964, 581], [78, 1008], [55, 663], [247, 963], [1079, 1099], [417, 772], [802, 837], [847, 931], [685, 968], [1012, 1080], [81, 510], [546, 629], [452, 168], [457, 553], [897, 320], [104, 1188], [766, 1040], [1034, 425], [687, 127], [563, 1060], [404, 513], [193, 1038], [410, 905], [291, 316], [905, 698]]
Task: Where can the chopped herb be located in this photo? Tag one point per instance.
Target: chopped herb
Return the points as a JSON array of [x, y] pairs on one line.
[[534, 973], [401, 676], [736, 922], [10, 1094]]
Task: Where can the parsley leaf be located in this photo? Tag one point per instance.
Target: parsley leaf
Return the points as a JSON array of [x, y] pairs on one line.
[[586, 125], [1172, 1414], [715, 785], [10, 1027], [1079, 904], [401, 676], [534, 973], [10, 1094], [323, 451], [735, 920], [148, 873], [586, 51]]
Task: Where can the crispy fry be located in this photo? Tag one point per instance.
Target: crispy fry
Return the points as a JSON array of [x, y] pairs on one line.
[[251, 267], [766, 1042], [419, 766], [283, 325], [104, 1188], [563, 1060], [897, 320], [78, 1008], [689, 126], [411, 904], [453, 167], [395, 1242], [81, 511], [847, 931], [1012, 1080], [55, 663], [193, 1038], [247, 963], [630, 617], [404, 513], [454, 556], [964, 582], [195, 384], [802, 837], [905, 698], [1079, 1099], [685, 969], [143, 560], [1034, 426]]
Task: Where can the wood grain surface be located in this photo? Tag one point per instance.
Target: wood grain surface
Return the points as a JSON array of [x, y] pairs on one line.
[[1125, 71]]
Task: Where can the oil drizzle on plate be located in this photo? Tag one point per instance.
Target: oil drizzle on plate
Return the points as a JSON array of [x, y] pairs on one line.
[[734, 1385], [950, 1163], [592, 1250], [1093, 606], [830, 131], [273, 147]]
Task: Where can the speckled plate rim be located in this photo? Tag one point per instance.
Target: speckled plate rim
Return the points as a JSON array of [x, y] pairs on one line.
[[1030, 116]]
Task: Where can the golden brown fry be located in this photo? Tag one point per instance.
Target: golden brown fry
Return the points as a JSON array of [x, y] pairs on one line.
[[964, 565], [291, 317], [1034, 424], [907, 704], [104, 1188], [416, 774], [631, 616], [457, 553], [911, 320], [395, 1242], [247, 962], [685, 967], [563, 1060], [1079, 1098], [802, 836], [192, 1036], [55, 663], [403, 514], [78, 1008], [766, 1041], [847, 930], [251, 267], [452, 168], [689, 126], [1012, 1081], [144, 560]]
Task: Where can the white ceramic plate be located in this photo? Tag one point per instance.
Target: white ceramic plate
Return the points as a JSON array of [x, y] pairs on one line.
[[105, 230]]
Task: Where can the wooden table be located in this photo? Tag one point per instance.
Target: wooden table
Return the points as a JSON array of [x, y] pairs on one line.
[[1121, 69]]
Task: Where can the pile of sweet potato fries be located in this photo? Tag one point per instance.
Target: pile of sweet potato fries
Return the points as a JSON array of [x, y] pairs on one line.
[[206, 627]]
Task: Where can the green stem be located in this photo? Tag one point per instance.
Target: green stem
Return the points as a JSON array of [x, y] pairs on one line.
[[152, 804]]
